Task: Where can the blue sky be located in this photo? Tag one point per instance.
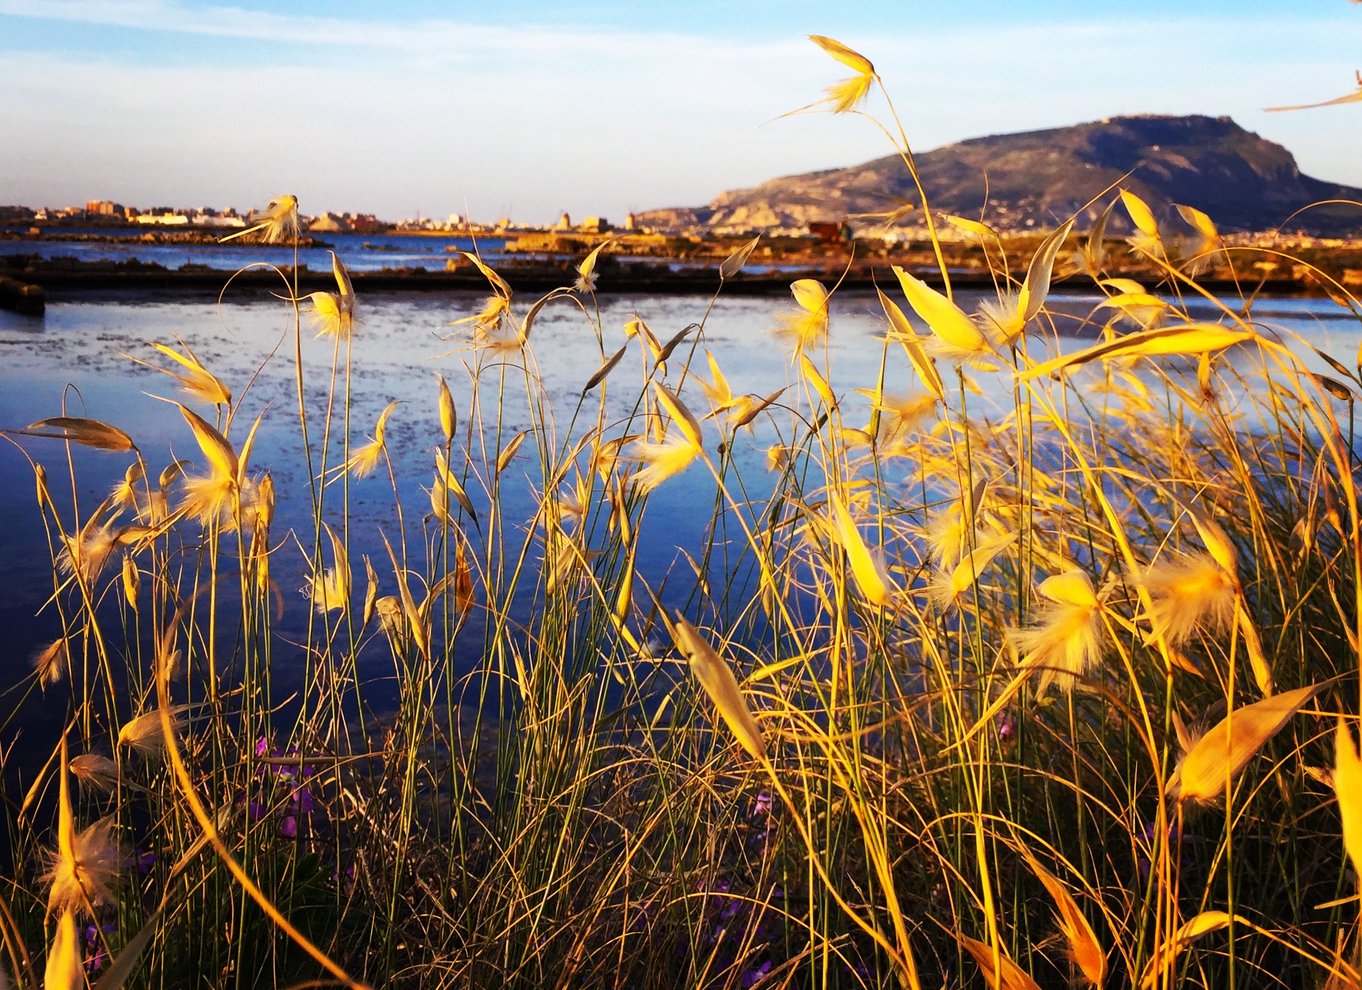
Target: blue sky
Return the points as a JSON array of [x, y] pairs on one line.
[[602, 107]]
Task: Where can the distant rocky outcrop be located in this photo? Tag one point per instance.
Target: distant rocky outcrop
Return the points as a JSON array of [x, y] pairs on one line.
[[1040, 178]]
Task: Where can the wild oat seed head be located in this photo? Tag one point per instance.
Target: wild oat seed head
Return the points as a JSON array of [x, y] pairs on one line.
[[807, 326], [88, 872], [661, 461], [1067, 639], [1187, 594], [88, 553], [279, 219], [449, 417], [848, 93], [1002, 319], [98, 771], [144, 733], [51, 663]]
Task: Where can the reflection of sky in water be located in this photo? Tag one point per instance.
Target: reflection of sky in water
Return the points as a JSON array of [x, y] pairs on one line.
[[360, 252], [77, 351]]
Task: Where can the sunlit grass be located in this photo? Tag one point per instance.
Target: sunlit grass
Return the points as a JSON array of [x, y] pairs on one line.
[[1061, 696]]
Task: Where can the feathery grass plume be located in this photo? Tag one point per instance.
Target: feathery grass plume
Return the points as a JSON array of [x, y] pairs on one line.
[[51, 663], [716, 677], [195, 379], [87, 553], [586, 271], [951, 529], [954, 335], [1146, 238], [449, 416], [848, 93], [276, 223], [392, 622], [1189, 593], [127, 492], [1006, 976], [64, 970], [1130, 299], [672, 454], [86, 864], [364, 459], [574, 502], [99, 772], [1217, 757], [720, 395], [660, 461], [1207, 236], [333, 313], [1084, 949], [1004, 319], [330, 591], [1348, 787], [209, 498], [143, 734], [867, 566], [493, 322], [1066, 641], [1001, 319], [563, 557], [489, 320], [807, 326]]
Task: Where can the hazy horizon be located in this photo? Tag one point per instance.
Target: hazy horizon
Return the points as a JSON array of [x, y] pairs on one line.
[[532, 109]]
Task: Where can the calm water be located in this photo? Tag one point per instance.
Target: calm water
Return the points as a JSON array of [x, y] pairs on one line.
[[360, 252], [75, 359]]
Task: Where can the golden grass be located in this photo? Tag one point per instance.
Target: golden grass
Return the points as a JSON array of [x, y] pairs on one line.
[[958, 654]]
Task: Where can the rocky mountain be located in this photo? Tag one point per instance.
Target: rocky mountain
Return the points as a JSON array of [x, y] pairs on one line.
[[1040, 178]]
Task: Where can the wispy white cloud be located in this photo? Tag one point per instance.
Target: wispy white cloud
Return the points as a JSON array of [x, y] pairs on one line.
[[404, 36], [444, 115]]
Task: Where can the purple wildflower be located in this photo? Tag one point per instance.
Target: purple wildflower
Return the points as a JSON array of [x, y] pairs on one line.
[[754, 976]]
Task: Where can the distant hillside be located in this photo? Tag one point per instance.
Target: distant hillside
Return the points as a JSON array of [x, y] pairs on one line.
[[1039, 178]]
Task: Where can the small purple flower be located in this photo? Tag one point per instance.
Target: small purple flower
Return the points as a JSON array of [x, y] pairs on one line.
[[96, 946], [1007, 726], [142, 859], [754, 976], [302, 801], [763, 804]]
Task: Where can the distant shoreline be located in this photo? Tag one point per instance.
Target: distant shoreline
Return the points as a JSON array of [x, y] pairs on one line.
[[60, 277]]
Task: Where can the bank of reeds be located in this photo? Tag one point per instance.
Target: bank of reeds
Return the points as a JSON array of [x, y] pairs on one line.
[[1065, 696]]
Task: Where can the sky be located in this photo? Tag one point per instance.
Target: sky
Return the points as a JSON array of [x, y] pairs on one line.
[[601, 107]]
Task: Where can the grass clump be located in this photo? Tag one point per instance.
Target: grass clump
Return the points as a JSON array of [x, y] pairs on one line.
[[1055, 695]]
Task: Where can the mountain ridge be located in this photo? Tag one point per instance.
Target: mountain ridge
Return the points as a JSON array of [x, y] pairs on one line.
[[1036, 179]]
